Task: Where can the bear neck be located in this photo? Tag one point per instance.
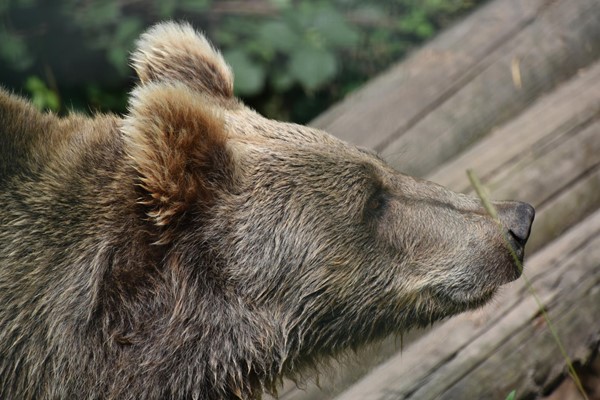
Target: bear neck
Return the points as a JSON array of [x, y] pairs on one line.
[[177, 315]]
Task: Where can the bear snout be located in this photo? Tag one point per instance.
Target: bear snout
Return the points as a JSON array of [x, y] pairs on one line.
[[517, 217]]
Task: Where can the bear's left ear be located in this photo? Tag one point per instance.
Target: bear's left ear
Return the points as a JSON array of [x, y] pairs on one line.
[[176, 140], [176, 52]]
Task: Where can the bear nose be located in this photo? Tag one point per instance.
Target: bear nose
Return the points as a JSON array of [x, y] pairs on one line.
[[517, 217]]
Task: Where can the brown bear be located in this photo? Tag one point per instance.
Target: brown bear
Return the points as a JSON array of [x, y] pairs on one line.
[[196, 250]]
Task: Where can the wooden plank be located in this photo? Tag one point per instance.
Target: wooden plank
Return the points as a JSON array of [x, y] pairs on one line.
[[590, 377], [562, 181], [499, 362], [553, 117], [465, 356], [520, 353], [549, 157], [549, 171], [568, 208], [563, 39], [394, 100], [347, 371]]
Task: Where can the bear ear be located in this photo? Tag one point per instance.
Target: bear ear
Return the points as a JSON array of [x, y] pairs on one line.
[[176, 52], [176, 141]]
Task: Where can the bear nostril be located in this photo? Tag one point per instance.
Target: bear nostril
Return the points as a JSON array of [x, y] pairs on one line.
[[525, 215], [517, 217], [518, 237]]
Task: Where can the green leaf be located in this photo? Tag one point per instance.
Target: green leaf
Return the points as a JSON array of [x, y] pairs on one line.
[[165, 8], [312, 67], [225, 37], [41, 96], [334, 28], [259, 51], [121, 43], [14, 51], [371, 13], [194, 6], [128, 30], [511, 395], [278, 35], [281, 81], [118, 58], [417, 23], [249, 75], [100, 14]]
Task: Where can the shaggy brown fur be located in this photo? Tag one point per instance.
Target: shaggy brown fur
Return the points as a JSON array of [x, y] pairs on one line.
[[177, 142], [195, 250], [171, 52]]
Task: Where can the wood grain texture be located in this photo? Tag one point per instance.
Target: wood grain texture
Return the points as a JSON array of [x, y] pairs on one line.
[[544, 125], [457, 89], [548, 156], [396, 99], [547, 51]]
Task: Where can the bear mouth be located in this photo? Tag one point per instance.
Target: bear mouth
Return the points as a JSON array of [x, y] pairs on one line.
[[469, 301], [515, 255], [517, 247], [472, 287], [443, 305]]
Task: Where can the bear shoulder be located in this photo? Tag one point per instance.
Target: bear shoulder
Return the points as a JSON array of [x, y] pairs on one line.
[[30, 138]]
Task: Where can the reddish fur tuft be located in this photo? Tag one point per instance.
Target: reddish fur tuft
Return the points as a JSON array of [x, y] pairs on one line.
[[176, 139]]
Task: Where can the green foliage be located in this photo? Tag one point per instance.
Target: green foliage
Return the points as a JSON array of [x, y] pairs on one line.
[[312, 67], [249, 75], [14, 51], [41, 96], [298, 47], [291, 59], [511, 395]]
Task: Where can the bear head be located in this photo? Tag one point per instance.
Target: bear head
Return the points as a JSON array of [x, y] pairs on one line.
[[322, 243]]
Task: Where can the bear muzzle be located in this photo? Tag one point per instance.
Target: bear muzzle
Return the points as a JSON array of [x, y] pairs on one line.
[[517, 217]]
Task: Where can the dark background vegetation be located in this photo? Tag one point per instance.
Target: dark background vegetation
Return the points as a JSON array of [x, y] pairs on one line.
[[291, 58]]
